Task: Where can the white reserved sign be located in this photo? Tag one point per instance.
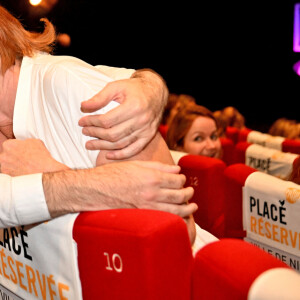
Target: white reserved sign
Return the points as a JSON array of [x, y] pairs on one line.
[[270, 161], [289, 259], [40, 262], [271, 212], [265, 139]]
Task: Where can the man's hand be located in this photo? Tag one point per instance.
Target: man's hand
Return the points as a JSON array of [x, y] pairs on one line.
[[21, 157], [128, 128]]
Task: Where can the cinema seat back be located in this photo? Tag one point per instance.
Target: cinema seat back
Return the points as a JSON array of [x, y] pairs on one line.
[[243, 134], [270, 161], [133, 254], [163, 129], [239, 152], [271, 209], [205, 175], [235, 176], [292, 146], [227, 150], [232, 133], [226, 269]]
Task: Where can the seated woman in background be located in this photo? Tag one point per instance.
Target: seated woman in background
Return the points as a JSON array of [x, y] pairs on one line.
[[194, 130], [175, 103], [229, 116], [289, 129]]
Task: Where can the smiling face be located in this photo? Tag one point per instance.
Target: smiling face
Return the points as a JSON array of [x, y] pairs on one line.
[[202, 138]]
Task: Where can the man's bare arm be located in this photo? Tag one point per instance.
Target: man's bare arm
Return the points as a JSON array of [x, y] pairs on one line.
[[140, 184], [135, 184]]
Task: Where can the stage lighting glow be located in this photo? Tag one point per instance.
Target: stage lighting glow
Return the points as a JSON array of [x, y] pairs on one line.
[[296, 33], [35, 2], [296, 68]]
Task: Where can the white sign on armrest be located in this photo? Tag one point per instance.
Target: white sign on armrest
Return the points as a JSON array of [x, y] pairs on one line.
[[270, 161], [265, 140], [271, 212], [40, 262]]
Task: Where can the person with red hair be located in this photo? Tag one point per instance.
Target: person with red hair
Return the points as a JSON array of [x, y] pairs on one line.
[[194, 130]]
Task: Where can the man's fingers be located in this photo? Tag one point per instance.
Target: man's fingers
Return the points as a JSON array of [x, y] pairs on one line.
[[180, 210], [97, 144], [166, 168], [176, 196], [98, 101], [111, 118], [129, 151], [114, 133]]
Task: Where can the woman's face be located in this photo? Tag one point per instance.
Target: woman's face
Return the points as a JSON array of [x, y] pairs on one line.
[[202, 138]]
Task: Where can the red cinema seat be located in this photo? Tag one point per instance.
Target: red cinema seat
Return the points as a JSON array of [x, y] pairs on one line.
[[133, 254], [235, 177], [205, 175], [239, 152], [226, 269], [292, 146], [163, 129], [227, 150], [232, 133], [243, 134]]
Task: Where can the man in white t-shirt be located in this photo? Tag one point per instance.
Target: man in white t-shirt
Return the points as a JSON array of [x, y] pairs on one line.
[[43, 93], [160, 181]]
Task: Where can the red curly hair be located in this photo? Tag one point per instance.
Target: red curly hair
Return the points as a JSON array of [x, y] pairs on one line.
[[16, 42]]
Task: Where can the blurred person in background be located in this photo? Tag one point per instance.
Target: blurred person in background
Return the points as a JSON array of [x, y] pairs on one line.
[[229, 116], [287, 128], [174, 105]]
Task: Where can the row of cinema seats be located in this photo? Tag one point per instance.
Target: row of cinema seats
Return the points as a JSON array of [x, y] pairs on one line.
[[219, 191], [273, 155], [252, 136], [145, 254]]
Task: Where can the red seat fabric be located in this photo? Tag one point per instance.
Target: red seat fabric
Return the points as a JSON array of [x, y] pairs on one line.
[[232, 133], [243, 134], [133, 254], [239, 153], [226, 269], [205, 175], [227, 149], [163, 129], [292, 146], [235, 177]]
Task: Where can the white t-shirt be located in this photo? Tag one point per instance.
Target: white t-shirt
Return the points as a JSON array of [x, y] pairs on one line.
[[16, 208], [47, 107]]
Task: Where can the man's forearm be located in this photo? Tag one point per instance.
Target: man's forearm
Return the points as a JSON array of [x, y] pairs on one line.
[[136, 184], [77, 190]]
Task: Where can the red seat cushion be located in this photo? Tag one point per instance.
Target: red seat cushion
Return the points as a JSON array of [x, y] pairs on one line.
[[292, 146], [133, 254], [227, 268], [228, 150], [235, 177], [239, 155]]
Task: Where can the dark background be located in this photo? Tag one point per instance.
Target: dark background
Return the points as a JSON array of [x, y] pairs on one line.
[[238, 54]]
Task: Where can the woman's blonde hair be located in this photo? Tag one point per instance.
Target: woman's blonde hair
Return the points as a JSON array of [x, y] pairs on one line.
[[16, 42]]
